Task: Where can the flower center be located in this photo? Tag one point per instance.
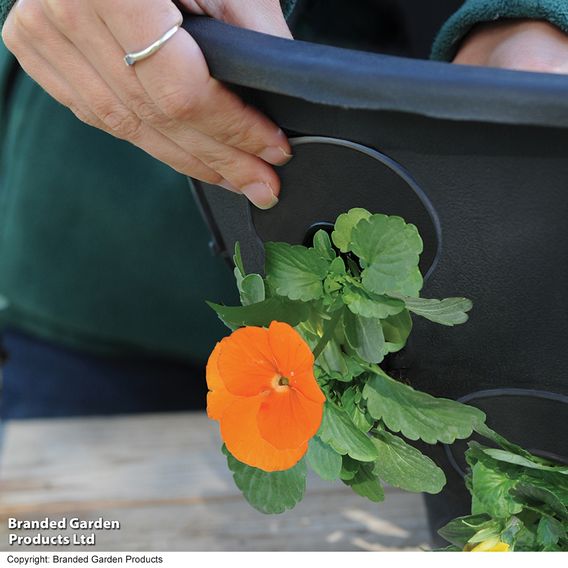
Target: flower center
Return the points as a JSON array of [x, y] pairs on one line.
[[280, 383]]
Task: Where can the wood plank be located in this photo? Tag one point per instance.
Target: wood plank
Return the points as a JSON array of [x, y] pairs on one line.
[[164, 479]]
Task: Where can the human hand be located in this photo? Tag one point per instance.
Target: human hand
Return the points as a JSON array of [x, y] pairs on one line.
[[167, 104], [524, 45]]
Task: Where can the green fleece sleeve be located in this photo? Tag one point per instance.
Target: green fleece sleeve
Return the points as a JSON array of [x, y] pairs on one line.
[[475, 12], [6, 6]]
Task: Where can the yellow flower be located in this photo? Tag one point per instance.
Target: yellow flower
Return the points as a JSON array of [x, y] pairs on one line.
[[489, 545]]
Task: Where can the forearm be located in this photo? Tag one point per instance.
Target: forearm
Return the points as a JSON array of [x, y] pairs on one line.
[[475, 12]]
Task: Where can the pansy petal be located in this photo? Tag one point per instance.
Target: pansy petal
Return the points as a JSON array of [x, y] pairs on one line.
[[217, 402], [291, 352], [306, 384], [246, 364], [239, 431], [214, 381], [288, 419], [218, 398], [294, 359]]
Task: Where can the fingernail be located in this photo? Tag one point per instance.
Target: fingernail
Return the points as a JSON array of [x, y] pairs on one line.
[[260, 194], [275, 155]]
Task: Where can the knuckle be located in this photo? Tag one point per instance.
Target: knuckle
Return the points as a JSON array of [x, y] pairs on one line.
[[64, 12], [240, 132], [223, 10], [225, 162], [120, 122], [30, 17], [10, 36], [178, 104], [147, 111]]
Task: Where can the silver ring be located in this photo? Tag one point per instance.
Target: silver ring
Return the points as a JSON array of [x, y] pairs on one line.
[[132, 58]]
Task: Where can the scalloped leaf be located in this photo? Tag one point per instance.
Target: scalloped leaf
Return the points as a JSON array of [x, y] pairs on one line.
[[295, 272], [377, 279], [390, 249], [322, 245], [269, 492], [493, 492], [396, 330], [344, 437], [364, 303], [450, 311], [262, 313], [323, 459], [404, 466], [366, 483], [417, 415], [365, 336], [251, 289], [344, 226]]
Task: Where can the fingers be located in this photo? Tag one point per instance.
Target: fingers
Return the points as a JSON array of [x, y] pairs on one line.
[[93, 102], [263, 16], [167, 104], [201, 115], [177, 76], [522, 45]]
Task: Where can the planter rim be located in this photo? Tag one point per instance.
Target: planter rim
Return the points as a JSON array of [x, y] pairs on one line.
[[352, 79]]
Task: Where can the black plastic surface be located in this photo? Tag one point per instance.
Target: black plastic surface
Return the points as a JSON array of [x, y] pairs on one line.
[[488, 148]]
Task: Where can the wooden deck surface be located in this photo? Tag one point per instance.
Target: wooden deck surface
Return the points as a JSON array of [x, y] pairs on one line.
[[164, 478]]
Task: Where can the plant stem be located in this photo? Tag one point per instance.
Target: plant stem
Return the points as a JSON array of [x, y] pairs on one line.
[[327, 334]]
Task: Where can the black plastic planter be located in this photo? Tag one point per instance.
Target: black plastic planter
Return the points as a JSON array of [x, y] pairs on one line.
[[476, 158]]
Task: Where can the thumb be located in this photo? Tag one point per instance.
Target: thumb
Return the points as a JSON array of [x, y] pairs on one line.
[[263, 16]]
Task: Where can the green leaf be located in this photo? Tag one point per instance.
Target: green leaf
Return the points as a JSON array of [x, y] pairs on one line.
[[549, 532], [344, 437], [251, 289], [418, 415], [263, 313], [366, 483], [333, 362], [365, 336], [509, 457], [450, 312], [401, 465], [344, 226], [461, 530], [388, 240], [496, 438], [350, 402], [396, 330], [526, 492], [3, 303], [492, 491], [323, 459], [512, 528], [391, 250], [375, 279], [238, 260], [337, 267], [349, 468], [322, 245], [269, 492], [364, 303], [295, 271]]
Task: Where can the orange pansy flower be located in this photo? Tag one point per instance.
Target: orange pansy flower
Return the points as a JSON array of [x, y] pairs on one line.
[[264, 394]]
